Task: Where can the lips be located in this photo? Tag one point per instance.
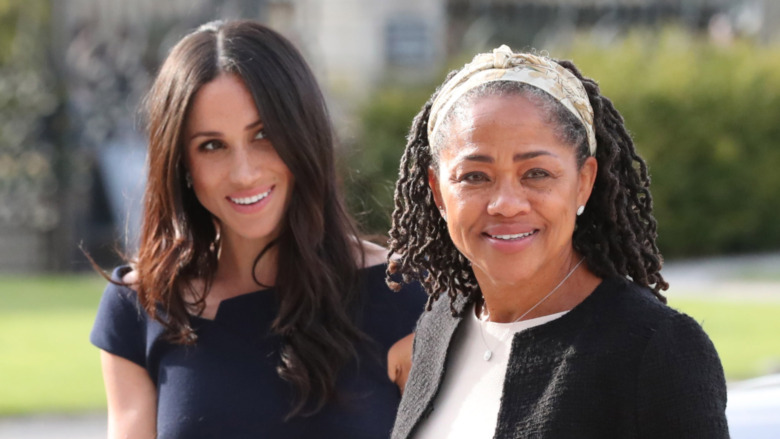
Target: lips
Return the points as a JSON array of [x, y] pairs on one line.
[[250, 200]]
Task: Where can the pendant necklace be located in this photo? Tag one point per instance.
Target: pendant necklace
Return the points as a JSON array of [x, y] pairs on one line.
[[489, 351]]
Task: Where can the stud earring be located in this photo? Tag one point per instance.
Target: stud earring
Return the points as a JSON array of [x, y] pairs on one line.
[[188, 180], [580, 210], [443, 215]]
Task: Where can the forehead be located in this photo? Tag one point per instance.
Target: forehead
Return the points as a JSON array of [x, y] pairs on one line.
[[506, 111], [499, 122], [223, 100]]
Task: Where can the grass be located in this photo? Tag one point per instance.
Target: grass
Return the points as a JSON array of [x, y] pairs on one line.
[[744, 332], [48, 364]]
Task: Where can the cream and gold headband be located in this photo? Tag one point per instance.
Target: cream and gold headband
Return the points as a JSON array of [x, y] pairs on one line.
[[505, 65]]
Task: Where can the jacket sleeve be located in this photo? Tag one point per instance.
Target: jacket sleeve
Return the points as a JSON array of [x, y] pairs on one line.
[[681, 388]]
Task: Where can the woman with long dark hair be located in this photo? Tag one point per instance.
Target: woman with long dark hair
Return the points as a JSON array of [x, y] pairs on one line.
[[525, 210], [252, 308]]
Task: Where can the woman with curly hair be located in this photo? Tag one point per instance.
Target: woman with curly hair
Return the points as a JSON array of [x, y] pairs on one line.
[[252, 308], [525, 210]]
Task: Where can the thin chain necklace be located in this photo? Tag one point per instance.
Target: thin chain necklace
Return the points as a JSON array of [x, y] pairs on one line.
[[489, 351]]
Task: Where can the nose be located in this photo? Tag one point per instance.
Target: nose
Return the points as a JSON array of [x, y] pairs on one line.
[[245, 168], [508, 199]]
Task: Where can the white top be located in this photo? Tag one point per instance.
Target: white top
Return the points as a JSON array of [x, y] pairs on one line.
[[470, 394]]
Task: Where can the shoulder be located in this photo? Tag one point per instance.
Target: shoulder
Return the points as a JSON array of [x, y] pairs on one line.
[[120, 304], [387, 315], [373, 254], [374, 286], [122, 284], [623, 301], [624, 315], [678, 376], [680, 380], [121, 322], [128, 276], [667, 333], [375, 274]]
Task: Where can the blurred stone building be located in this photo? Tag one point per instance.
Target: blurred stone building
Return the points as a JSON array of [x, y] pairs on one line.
[[84, 148], [71, 150]]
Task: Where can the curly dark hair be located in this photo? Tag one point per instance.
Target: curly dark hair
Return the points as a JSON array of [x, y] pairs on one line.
[[616, 234]]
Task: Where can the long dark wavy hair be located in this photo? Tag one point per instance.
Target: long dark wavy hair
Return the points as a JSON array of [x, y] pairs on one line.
[[317, 250], [616, 234]]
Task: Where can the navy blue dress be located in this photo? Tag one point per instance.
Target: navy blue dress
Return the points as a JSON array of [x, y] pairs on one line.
[[226, 385]]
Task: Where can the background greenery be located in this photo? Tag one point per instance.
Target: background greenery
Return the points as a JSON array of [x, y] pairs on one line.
[[705, 117], [49, 365]]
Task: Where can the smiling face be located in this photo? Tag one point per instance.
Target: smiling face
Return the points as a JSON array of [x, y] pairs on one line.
[[237, 174], [510, 189]]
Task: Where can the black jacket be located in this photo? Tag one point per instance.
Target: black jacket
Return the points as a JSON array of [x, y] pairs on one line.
[[619, 365]]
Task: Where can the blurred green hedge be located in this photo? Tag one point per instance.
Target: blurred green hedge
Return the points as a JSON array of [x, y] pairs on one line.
[[376, 153], [706, 118]]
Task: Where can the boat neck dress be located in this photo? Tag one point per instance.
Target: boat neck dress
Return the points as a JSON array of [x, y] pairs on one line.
[[227, 386]]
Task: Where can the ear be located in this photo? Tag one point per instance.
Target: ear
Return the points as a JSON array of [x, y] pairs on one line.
[[587, 178], [433, 183]]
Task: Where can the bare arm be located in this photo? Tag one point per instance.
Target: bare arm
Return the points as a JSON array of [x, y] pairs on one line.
[[132, 399], [399, 361]]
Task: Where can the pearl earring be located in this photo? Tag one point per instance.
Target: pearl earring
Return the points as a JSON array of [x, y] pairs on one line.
[[443, 215], [580, 210]]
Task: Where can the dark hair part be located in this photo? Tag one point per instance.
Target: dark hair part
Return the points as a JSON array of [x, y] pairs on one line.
[[616, 234], [317, 246]]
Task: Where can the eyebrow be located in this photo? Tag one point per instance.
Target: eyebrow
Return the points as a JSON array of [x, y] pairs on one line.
[[516, 158], [252, 125]]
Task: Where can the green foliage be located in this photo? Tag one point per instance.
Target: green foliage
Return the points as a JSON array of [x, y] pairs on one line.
[[706, 118], [385, 123], [48, 363]]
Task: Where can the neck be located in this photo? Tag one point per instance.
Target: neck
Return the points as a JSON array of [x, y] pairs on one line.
[[237, 264], [543, 295]]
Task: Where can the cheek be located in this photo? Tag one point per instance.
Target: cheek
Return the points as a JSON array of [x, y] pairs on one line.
[[451, 198], [203, 178], [463, 208], [556, 208]]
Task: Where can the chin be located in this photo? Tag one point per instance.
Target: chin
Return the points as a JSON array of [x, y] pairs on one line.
[[505, 272]]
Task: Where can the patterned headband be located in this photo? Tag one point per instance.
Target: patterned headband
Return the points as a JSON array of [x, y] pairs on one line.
[[504, 65]]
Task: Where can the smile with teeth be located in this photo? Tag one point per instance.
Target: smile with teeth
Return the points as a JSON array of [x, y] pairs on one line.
[[251, 200], [511, 237]]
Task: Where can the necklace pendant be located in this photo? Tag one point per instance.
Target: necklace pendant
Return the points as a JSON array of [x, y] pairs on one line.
[[488, 355]]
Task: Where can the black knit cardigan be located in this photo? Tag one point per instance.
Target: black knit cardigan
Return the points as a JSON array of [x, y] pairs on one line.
[[621, 364]]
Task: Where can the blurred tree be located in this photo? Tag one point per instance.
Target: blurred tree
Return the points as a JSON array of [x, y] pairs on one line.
[[704, 116], [30, 115], [376, 153]]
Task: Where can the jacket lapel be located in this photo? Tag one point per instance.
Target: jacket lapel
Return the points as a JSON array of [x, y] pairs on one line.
[[432, 340]]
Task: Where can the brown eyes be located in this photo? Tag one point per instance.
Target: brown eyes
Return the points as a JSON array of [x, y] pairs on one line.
[[211, 145], [474, 177], [214, 144], [479, 177], [536, 174]]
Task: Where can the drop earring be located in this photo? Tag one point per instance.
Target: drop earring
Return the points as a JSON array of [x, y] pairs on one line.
[[580, 210], [188, 180]]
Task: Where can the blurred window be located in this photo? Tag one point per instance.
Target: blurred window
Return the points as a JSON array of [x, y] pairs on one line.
[[407, 41]]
